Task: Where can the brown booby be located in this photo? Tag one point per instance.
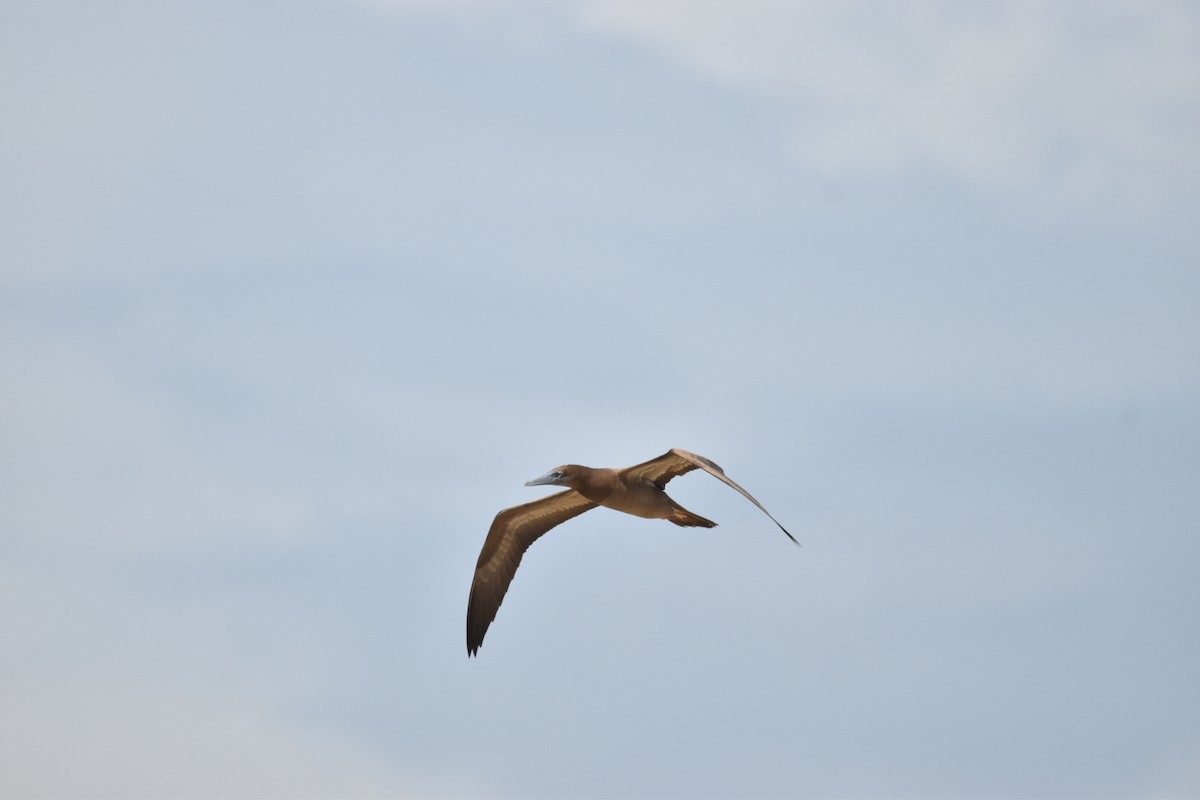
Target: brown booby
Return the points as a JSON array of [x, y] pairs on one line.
[[636, 490]]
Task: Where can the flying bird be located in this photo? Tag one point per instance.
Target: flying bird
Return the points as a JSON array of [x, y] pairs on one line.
[[636, 490]]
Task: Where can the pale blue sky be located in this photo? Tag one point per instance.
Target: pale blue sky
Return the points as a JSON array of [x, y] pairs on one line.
[[294, 297]]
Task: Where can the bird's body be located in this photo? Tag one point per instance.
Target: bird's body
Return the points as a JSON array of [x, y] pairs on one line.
[[627, 492], [636, 490]]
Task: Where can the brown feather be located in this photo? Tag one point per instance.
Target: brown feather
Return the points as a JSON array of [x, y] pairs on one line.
[[512, 532], [712, 469], [661, 470], [676, 462]]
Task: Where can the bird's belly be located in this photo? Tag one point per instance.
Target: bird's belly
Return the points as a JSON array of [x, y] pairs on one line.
[[651, 505]]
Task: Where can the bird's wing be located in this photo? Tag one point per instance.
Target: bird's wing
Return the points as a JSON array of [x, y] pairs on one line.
[[676, 462], [513, 530], [661, 470]]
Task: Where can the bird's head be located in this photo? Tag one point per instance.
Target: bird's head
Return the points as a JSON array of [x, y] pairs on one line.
[[559, 476]]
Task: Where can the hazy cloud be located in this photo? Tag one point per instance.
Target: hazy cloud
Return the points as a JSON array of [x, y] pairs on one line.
[[1066, 101], [1063, 97]]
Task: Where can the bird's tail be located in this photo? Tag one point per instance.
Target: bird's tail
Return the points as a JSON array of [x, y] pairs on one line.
[[684, 518]]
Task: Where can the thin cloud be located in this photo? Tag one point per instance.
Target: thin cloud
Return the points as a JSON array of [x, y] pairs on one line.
[[1060, 97]]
